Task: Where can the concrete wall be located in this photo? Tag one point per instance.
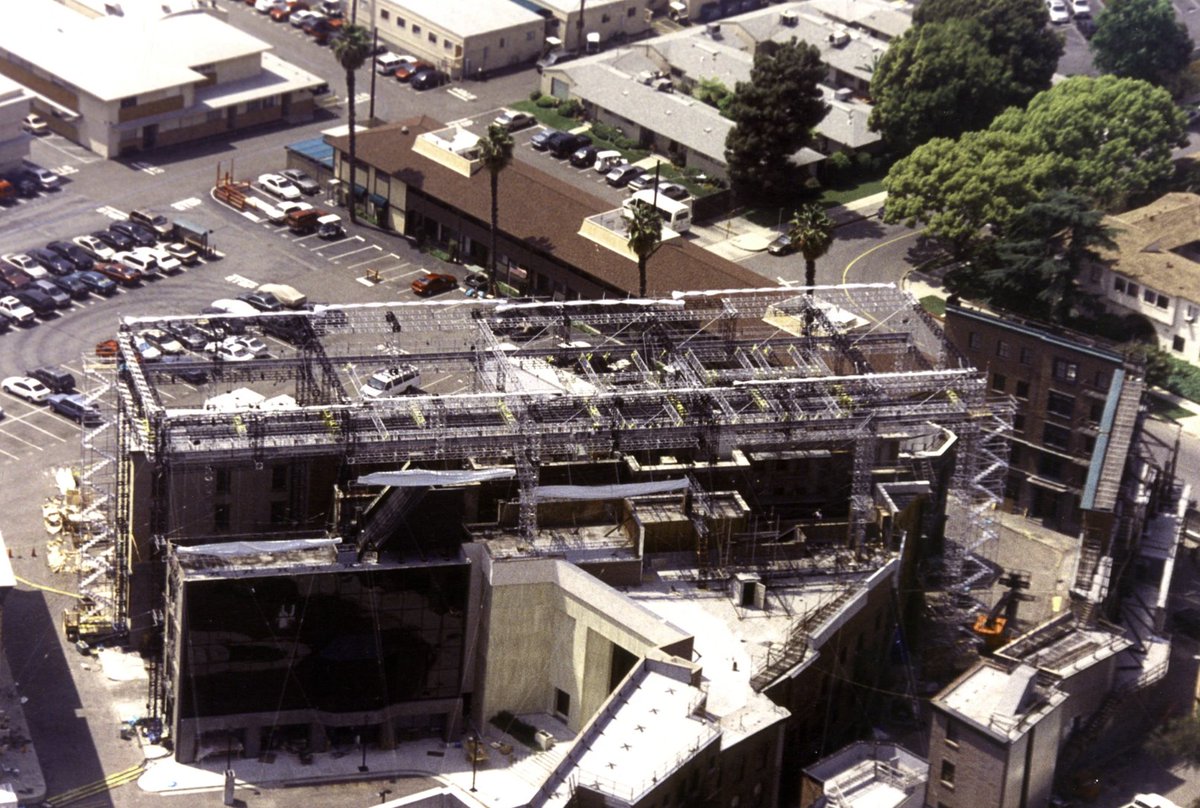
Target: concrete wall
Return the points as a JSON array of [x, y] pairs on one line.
[[451, 51]]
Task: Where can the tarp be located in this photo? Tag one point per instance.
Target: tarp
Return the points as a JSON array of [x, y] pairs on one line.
[[595, 492], [423, 478]]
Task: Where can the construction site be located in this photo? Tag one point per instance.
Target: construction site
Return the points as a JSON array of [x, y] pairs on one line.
[[570, 505]]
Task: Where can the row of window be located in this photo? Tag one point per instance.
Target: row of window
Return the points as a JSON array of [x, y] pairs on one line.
[[1131, 289]]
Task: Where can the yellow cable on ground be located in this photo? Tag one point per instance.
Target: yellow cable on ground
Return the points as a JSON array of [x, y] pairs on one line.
[[45, 588]]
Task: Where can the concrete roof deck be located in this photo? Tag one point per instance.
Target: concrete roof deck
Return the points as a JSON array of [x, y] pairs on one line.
[[1003, 701], [467, 18], [157, 53]]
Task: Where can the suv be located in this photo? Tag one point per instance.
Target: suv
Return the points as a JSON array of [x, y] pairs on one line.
[[39, 301], [155, 221], [46, 179], [563, 144], [75, 407], [57, 379], [392, 382]]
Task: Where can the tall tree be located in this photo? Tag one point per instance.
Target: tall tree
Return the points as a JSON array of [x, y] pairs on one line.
[[774, 114], [495, 151], [1112, 136], [812, 233], [645, 234], [1013, 30], [1141, 39], [351, 48], [1037, 263], [937, 80]]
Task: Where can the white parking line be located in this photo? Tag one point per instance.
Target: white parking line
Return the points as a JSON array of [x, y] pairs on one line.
[[336, 258], [370, 260], [22, 419], [10, 454], [305, 238]]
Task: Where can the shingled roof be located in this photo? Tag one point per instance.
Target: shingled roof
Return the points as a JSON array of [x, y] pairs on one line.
[[1155, 245], [545, 213]]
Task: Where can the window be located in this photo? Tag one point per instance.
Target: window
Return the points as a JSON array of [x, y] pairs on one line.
[[1014, 454], [1132, 289], [1100, 379], [447, 44], [1018, 423], [222, 482], [1049, 466], [952, 732], [1058, 437], [1026, 356], [221, 517], [401, 22], [1177, 344], [974, 340], [998, 382], [1059, 404], [630, 11], [1119, 285], [1096, 412], [1066, 371], [385, 15], [416, 29], [604, 18], [529, 36], [279, 476], [1190, 313], [502, 42], [279, 513], [131, 101], [1022, 389], [1003, 349], [1161, 301], [562, 702], [947, 773], [432, 37], [1089, 443], [1148, 295]]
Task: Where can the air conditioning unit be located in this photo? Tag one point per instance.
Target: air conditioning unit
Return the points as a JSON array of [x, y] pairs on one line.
[[789, 17], [543, 740], [839, 39], [713, 29]]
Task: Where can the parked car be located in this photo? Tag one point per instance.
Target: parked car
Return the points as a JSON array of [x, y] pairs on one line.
[[555, 58], [584, 157], [166, 343], [145, 351], [155, 221], [35, 124], [182, 253], [391, 381], [233, 352], [1080, 8], [406, 71], [185, 367], [119, 273], [115, 241], [674, 191], [298, 18], [563, 144], [167, 264], [782, 245], [15, 310], [512, 121], [192, 338], [74, 253], [642, 182], [94, 246], [476, 283], [606, 160], [53, 262], [301, 180], [98, 283], [75, 407], [25, 184], [73, 284], [50, 289], [427, 80], [42, 304], [330, 227], [25, 264], [144, 265], [1086, 27], [1058, 11], [12, 278], [540, 141], [46, 179], [621, 174], [55, 378], [386, 63], [107, 349], [142, 235], [278, 186], [280, 13], [254, 345], [24, 387], [433, 283], [263, 301]]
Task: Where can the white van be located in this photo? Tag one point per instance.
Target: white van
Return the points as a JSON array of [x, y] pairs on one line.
[[392, 381], [605, 160], [675, 214], [387, 63]]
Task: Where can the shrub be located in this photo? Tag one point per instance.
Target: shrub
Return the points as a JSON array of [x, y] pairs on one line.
[[603, 131], [535, 95], [570, 108], [548, 102]]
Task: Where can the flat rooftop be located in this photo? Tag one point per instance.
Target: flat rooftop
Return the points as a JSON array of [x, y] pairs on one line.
[[466, 18]]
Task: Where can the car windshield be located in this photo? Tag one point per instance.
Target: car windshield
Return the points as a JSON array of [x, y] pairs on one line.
[[376, 383]]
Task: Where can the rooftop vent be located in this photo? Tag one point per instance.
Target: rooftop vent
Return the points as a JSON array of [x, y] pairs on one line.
[[713, 29], [789, 17], [839, 38]]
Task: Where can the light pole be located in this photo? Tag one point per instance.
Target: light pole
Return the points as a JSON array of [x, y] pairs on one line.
[[474, 759], [362, 742]]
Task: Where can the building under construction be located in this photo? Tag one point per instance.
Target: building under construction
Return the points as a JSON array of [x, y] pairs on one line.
[[569, 498]]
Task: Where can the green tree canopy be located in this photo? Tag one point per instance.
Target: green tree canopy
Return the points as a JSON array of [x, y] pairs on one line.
[[351, 48], [812, 233], [1013, 30], [1113, 136], [937, 80], [645, 236], [714, 93], [1141, 39], [495, 152], [959, 65], [774, 114], [1104, 138], [1034, 267]]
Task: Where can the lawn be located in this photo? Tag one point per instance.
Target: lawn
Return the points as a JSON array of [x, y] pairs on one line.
[[546, 115], [1163, 408], [829, 197], [934, 305]]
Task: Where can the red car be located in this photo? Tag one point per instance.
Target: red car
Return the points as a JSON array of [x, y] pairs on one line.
[[119, 273], [409, 69], [434, 283]]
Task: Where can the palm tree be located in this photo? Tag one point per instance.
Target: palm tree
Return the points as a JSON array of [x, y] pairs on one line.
[[352, 48], [495, 151], [645, 234], [811, 232]]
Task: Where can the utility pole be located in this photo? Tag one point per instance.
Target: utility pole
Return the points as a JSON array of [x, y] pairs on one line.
[[579, 43], [374, 72]]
